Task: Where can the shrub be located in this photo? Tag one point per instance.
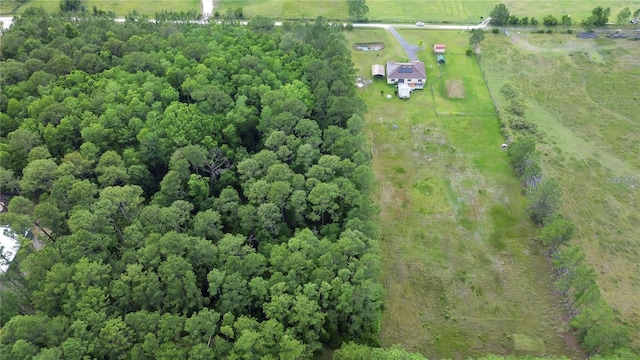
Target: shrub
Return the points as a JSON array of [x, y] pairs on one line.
[[534, 21], [509, 91], [517, 107], [569, 31], [495, 30], [499, 15], [524, 20], [550, 20], [549, 31], [349, 26], [469, 51]]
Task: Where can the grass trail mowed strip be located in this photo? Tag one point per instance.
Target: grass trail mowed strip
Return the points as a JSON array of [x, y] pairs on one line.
[[582, 95], [460, 270], [120, 7]]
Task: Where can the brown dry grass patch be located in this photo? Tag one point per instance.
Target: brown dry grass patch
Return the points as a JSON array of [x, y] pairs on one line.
[[455, 89]]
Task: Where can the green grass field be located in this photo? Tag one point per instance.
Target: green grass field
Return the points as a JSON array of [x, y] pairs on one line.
[[583, 96], [287, 9], [464, 11], [458, 11], [462, 274], [119, 7]]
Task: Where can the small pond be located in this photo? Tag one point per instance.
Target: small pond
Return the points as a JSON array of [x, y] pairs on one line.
[[374, 46]]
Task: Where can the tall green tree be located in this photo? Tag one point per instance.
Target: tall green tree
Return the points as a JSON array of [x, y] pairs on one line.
[[499, 15], [544, 201], [599, 17], [557, 232], [477, 35], [358, 10], [71, 5], [623, 16]]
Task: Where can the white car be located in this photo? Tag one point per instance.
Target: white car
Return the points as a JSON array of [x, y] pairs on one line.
[[419, 23]]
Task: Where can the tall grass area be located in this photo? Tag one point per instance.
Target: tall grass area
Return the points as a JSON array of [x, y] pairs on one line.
[[581, 98], [120, 7], [463, 273]]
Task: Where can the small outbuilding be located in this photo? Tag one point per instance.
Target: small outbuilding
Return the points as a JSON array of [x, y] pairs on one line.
[[377, 70], [439, 48], [440, 58]]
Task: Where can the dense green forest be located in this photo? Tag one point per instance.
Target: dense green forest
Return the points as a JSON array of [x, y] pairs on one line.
[[200, 191]]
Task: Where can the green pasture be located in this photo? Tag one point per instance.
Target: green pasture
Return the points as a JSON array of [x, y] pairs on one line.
[[583, 96], [437, 11], [287, 9], [119, 7], [465, 11], [463, 274]]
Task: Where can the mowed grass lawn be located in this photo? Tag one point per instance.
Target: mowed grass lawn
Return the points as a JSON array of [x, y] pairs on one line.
[[462, 273], [583, 96], [119, 7]]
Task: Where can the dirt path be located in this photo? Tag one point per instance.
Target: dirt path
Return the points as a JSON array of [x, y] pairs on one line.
[[568, 46], [207, 8]]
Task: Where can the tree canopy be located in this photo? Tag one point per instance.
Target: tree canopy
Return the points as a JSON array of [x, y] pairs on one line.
[[499, 15], [358, 10], [198, 190]]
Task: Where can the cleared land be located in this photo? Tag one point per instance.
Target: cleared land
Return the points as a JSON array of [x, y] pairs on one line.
[[288, 9], [465, 11], [119, 7], [583, 95], [459, 11], [463, 275]]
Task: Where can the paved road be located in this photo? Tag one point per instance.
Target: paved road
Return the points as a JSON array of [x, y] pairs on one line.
[[410, 49], [482, 25]]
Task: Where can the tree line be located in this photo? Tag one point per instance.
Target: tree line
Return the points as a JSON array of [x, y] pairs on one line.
[[200, 190], [600, 330], [599, 17]]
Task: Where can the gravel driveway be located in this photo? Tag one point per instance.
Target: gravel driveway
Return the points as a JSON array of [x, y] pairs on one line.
[[411, 50]]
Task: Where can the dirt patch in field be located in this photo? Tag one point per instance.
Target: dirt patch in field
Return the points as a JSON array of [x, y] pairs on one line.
[[455, 89], [361, 82]]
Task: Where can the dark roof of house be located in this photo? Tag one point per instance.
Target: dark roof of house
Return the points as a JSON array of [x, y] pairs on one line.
[[408, 70]]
